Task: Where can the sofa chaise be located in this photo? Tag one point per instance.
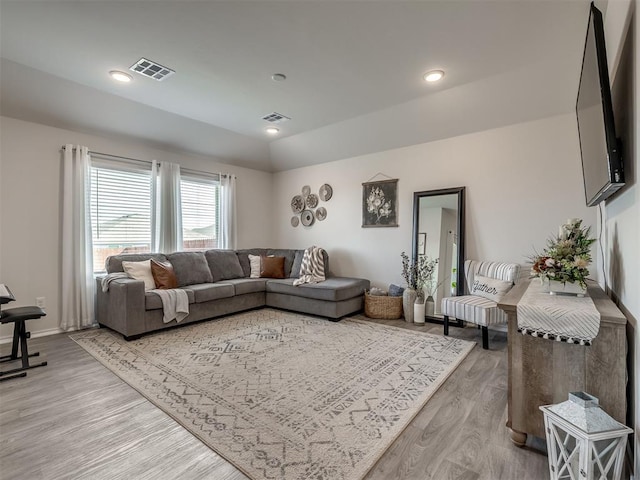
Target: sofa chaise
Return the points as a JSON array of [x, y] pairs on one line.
[[218, 282]]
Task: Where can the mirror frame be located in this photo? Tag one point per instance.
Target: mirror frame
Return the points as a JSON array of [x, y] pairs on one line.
[[460, 192]]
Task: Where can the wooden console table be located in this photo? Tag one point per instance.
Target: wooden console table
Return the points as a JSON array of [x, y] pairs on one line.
[[542, 372]]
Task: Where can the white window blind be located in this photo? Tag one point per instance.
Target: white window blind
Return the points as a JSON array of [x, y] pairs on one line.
[[200, 199], [120, 210]]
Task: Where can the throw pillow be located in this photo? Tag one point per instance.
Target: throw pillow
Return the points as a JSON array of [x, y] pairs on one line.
[[272, 267], [190, 268], [163, 275], [224, 265], [490, 288], [140, 271], [256, 266]]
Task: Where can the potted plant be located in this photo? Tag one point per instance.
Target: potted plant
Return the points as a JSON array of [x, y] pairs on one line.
[[563, 264], [418, 274]]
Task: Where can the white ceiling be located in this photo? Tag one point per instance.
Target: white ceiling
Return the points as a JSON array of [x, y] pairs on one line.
[[345, 61]]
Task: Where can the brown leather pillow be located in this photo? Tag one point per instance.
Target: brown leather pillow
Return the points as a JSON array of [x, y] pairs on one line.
[[272, 267], [163, 275]]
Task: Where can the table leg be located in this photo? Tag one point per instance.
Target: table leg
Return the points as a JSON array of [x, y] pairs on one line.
[[518, 438]]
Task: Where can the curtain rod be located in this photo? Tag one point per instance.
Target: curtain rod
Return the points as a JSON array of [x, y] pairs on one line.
[[100, 154], [120, 157]]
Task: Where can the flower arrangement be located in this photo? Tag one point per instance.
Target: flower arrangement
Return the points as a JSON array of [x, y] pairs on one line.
[[567, 256], [419, 274]]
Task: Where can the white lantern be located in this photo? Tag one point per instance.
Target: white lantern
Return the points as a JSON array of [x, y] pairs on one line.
[[583, 442]]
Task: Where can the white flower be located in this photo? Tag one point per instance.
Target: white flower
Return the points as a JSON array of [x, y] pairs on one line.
[[549, 262]]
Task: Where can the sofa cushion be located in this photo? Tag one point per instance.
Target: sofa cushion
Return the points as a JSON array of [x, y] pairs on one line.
[[272, 267], [140, 271], [289, 256], [255, 263], [190, 268], [223, 264], [114, 263], [163, 275], [248, 285], [297, 263], [205, 292], [243, 258], [333, 289], [153, 301]]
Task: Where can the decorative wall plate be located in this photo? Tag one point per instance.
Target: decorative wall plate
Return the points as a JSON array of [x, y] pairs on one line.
[[306, 190], [321, 213], [312, 201], [295, 221], [297, 204], [307, 218], [326, 192]]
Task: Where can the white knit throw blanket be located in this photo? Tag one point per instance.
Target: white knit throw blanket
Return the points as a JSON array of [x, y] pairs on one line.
[[312, 268], [557, 317], [175, 304]]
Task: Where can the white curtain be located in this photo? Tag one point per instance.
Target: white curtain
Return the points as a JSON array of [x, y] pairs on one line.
[[167, 214], [78, 284], [228, 229]]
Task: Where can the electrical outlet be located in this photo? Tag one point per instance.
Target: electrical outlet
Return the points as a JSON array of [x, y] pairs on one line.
[[40, 302]]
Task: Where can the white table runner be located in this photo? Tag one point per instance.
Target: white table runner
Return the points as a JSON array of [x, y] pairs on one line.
[[557, 317]]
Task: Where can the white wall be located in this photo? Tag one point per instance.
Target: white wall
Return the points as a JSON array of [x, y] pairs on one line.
[[522, 182], [30, 169], [621, 226]]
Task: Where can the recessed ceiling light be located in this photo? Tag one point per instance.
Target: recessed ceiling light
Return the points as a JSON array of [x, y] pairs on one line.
[[120, 76], [272, 130], [278, 77], [433, 75]]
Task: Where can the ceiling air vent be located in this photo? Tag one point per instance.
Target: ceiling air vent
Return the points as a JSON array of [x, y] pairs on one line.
[[275, 117], [151, 69]]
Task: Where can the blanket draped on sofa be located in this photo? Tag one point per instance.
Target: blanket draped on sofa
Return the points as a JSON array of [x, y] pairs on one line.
[[312, 268]]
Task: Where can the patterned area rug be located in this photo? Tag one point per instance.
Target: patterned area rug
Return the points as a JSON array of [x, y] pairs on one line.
[[283, 395]]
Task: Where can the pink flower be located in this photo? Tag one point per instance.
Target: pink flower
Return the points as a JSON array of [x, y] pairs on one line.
[[549, 262]]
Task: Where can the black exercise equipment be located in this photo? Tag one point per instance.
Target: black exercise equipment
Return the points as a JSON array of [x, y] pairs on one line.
[[18, 316]]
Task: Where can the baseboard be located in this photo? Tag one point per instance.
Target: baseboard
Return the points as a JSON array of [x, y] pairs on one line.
[[40, 333]]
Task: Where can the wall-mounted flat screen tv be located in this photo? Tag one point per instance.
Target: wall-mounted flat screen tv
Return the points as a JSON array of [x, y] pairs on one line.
[[599, 146]]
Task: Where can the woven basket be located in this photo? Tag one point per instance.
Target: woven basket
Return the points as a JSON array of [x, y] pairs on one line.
[[383, 307]]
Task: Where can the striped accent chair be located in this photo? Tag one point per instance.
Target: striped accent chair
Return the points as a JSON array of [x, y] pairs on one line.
[[479, 310]]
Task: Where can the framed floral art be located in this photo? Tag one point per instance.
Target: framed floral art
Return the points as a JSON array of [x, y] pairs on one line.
[[380, 203]]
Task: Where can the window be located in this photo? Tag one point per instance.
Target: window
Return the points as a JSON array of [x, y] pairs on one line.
[[120, 210], [122, 205], [200, 199]]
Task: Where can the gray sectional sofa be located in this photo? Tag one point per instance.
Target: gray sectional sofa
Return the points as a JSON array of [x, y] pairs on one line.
[[217, 283]]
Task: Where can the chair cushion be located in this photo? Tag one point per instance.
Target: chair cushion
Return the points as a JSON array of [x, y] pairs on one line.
[[508, 272], [332, 289], [473, 309], [490, 288]]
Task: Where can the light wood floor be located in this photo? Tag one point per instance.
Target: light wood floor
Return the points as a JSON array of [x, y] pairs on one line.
[[74, 419]]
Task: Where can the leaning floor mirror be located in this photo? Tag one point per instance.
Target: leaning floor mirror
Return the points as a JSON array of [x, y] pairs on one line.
[[438, 233]]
